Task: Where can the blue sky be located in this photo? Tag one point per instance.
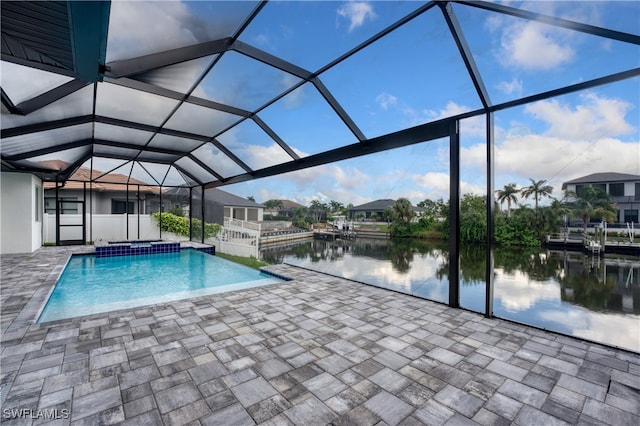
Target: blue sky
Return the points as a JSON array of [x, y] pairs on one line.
[[412, 76]]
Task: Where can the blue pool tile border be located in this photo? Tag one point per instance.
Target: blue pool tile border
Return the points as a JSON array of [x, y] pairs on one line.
[[208, 250], [139, 249], [275, 275]]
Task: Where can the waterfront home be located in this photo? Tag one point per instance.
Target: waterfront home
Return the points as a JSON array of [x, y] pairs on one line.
[[374, 210], [623, 188]]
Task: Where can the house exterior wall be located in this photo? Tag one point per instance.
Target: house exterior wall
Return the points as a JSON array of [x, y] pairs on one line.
[[214, 213], [101, 200], [628, 205], [20, 213]]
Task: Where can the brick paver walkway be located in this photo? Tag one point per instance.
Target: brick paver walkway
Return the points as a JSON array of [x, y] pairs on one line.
[[315, 350]]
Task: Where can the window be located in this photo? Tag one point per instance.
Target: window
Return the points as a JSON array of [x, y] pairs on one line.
[[616, 189], [637, 197], [596, 186], [69, 205], [631, 216], [121, 206]]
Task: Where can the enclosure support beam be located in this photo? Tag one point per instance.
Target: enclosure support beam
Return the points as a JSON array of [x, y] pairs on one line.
[[202, 214], [84, 213], [57, 214], [454, 214], [91, 208], [190, 213], [161, 210], [491, 209], [138, 202], [126, 208]]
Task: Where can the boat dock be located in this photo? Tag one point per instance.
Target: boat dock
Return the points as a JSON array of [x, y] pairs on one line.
[[334, 235], [591, 246]]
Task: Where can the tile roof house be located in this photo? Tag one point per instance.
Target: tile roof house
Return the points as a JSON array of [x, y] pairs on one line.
[[221, 205], [623, 188], [288, 209], [109, 194], [376, 209]]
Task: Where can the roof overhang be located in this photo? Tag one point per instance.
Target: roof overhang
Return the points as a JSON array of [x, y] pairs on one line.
[[66, 37]]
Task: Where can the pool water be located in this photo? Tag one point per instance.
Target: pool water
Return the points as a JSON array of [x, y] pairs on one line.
[[92, 285]]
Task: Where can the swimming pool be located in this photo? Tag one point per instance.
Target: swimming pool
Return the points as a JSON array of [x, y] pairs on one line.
[[90, 285]]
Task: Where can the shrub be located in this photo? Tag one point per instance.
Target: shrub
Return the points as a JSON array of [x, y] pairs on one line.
[[180, 225]]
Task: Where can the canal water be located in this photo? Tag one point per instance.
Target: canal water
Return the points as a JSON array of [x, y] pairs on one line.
[[574, 293]]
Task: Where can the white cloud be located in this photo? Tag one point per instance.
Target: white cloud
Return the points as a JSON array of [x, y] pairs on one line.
[[597, 326], [577, 141], [511, 87], [326, 182], [516, 291], [142, 27], [259, 156], [296, 98], [544, 157], [533, 46], [356, 12], [436, 185], [218, 161], [385, 100], [349, 179], [138, 28], [416, 117], [597, 117]]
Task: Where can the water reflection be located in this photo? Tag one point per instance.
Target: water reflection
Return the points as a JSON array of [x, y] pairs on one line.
[[596, 298]]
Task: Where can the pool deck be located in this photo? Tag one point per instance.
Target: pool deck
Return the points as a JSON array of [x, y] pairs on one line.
[[315, 350]]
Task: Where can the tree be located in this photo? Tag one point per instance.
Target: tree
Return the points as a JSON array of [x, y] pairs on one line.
[[538, 189], [508, 194], [403, 210], [387, 215], [473, 218], [274, 204], [561, 210], [591, 201], [318, 210], [336, 206]]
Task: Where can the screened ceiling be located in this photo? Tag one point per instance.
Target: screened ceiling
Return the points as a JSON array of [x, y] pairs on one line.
[[214, 93]]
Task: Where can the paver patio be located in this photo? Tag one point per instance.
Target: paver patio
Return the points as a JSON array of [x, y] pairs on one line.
[[315, 350]]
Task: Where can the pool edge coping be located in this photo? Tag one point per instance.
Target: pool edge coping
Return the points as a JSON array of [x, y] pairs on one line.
[[60, 267]]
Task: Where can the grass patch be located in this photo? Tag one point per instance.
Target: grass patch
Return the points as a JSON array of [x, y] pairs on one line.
[[251, 262]]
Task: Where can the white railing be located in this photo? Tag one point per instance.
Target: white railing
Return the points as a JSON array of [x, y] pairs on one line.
[[237, 241], [241, 224]]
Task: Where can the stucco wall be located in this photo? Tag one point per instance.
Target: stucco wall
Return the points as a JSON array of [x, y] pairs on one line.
[[20, 232]]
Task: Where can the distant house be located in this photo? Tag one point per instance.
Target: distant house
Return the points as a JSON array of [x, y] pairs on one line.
[[233, 206], [107, 197], [623, 188], [375, 210], [220, 205], [111, 198], [288, 209]]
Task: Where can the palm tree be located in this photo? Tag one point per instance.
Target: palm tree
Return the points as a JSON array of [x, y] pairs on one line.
[[318, 209], [403, 210], [590, 202], [538, 189], [560, 209], [274, 204], [336, 206], [508, 194]]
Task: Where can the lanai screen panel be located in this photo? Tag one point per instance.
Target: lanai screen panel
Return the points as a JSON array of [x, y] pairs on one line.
[[215, 93]]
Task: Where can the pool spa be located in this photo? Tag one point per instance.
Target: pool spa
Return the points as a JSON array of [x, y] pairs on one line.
[[90, 284]]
